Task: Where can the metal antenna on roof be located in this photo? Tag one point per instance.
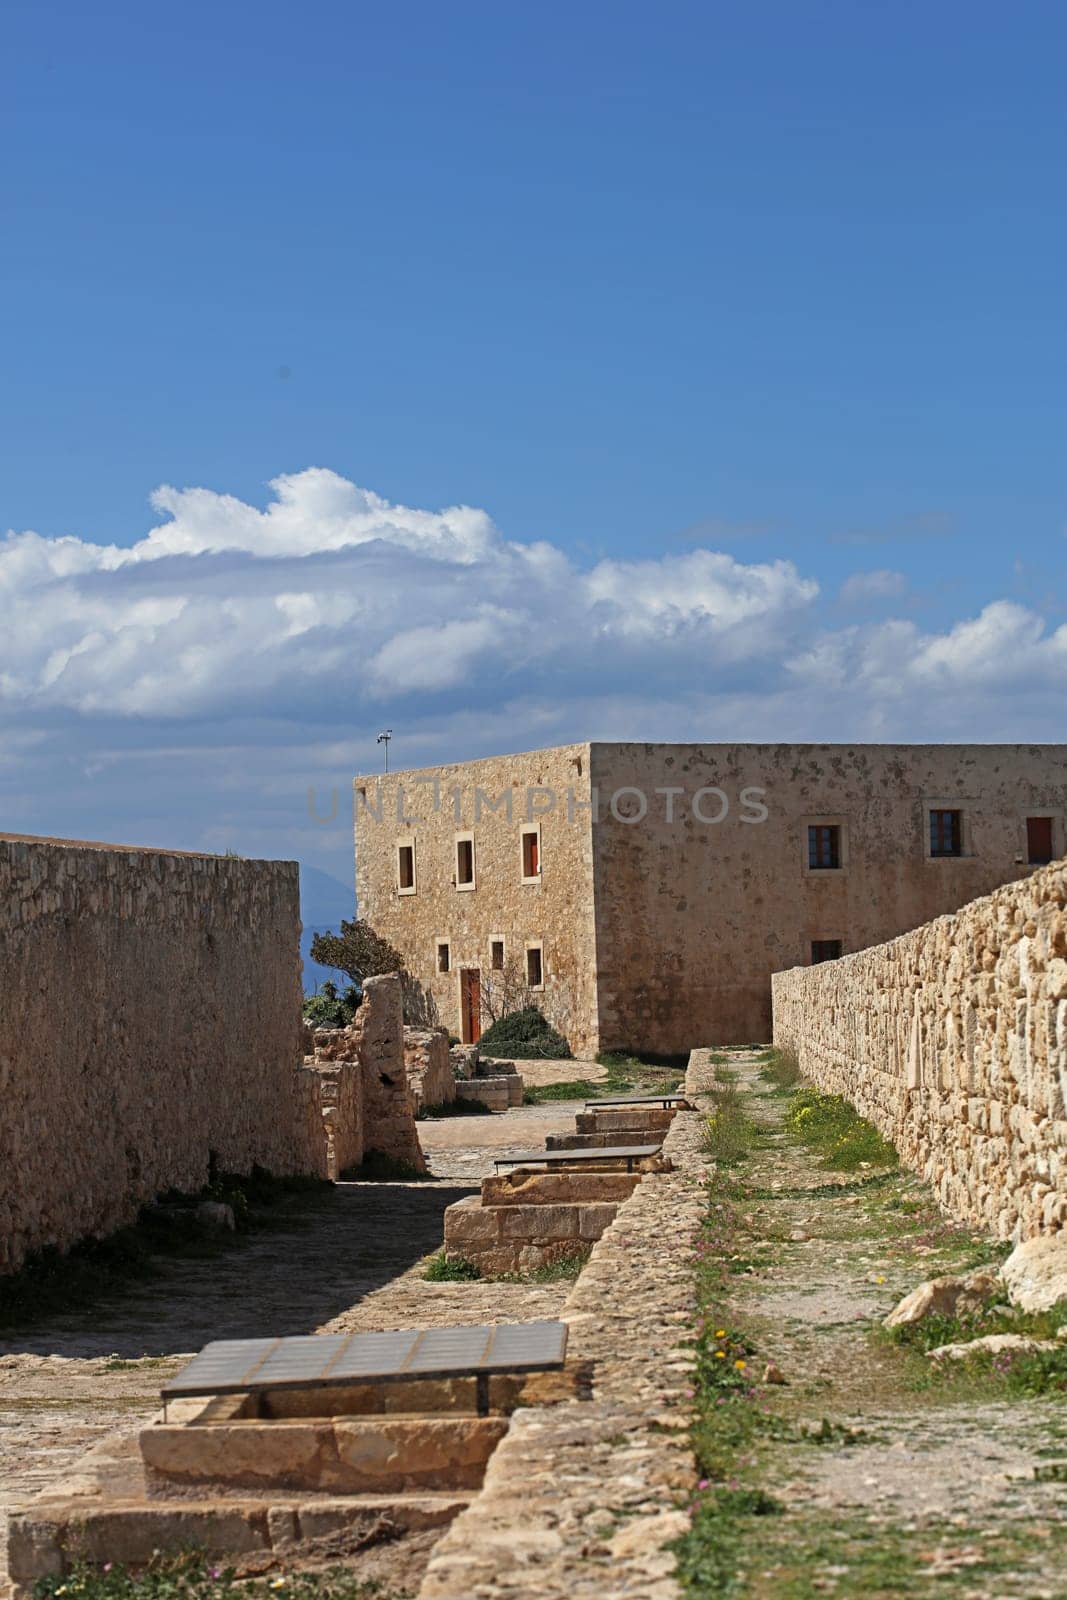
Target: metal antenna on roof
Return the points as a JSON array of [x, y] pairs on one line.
[[384, 738]]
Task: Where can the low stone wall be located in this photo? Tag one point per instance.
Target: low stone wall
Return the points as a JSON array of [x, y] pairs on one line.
[[149, 1016], [429, 1068], [952, 1040], [581, 1498]]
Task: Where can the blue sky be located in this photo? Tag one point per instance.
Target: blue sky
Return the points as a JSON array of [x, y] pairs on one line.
[[749, 319]]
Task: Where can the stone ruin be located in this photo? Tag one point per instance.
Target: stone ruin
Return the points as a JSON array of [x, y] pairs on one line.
[[439, 1075], [367, 1104]]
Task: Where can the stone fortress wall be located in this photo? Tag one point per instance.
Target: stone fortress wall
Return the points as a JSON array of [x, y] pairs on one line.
[[430, 809], [952, 1040], [662, 916], [150, 1019]]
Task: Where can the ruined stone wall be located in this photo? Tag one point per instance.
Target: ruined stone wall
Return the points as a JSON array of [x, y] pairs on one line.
[[149, 1015], [388, 1105], [952, 1040], [693, 917], [555, 910], [429, 1067]]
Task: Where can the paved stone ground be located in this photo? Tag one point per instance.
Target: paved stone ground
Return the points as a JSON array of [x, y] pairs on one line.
[[348, 1260]]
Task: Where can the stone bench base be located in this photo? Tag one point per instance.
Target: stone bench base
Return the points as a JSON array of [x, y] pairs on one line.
[[518, 1237], [625, 1120], [223, 1452], [102, 1512]]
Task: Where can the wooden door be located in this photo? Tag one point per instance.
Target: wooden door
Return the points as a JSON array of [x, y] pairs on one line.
[[470, 999], [1039, 840]]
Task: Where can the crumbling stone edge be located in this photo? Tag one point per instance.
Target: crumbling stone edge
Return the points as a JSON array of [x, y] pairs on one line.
[[582, 1497]]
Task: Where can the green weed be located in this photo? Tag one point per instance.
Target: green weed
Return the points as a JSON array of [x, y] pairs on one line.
[[442, 1268], [829, 1125]]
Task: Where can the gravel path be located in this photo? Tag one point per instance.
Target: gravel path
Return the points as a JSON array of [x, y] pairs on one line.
[[916, 1487]]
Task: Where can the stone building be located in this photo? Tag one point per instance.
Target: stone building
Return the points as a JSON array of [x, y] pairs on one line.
[[643, 894]]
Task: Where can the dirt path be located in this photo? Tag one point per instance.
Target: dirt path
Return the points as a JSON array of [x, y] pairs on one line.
[[892, 1480], [348, 1259]]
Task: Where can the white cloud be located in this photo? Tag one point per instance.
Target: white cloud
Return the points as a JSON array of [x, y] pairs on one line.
[[190, 688], [224, 603]]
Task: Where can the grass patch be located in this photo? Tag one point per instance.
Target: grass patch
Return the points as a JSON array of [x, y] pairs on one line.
[[51, 1281], [450, 1269], [572, 1089], [781, 1068], [830, 1126], [1011, 1373], [190, 1577], [378, 1167], [728, 1134]]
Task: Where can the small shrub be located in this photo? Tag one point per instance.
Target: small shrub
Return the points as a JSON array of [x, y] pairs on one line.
[[442, 1268], [328, 1009], [526, 1035]]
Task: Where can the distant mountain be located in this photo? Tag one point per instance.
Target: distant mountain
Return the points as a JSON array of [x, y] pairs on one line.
[[325, 903]]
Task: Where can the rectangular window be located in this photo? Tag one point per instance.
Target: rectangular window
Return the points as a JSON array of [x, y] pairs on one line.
[[405, 868], [1039, 840], [465, 863], [444, 956], [824, 847], [946, 833], [825, 950], [496, 954], [535, 975], [531, 853]]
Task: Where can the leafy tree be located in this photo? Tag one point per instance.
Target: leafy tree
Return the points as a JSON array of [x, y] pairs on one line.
[[356, 950]]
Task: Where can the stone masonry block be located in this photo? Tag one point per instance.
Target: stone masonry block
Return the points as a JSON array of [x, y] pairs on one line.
[[538, 1222]]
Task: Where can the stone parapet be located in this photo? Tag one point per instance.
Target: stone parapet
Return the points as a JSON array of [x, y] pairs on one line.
[[952, 1040]]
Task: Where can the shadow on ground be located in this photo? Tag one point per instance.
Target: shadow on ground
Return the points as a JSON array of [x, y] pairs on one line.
[[309, 1264]]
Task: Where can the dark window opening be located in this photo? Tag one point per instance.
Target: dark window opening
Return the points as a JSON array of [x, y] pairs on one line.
[[444, 958], [824, 847], [465, 861], [825, 950], [533, 969], [1039, 840], [946, 833], [406, 866], [496, 955], [531, 855]]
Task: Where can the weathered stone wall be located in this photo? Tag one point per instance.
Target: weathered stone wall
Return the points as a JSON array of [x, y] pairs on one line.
[[692, 917], [556, 909], [952, 1040], [664, 925], [429, 1067], [149, 1015]]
